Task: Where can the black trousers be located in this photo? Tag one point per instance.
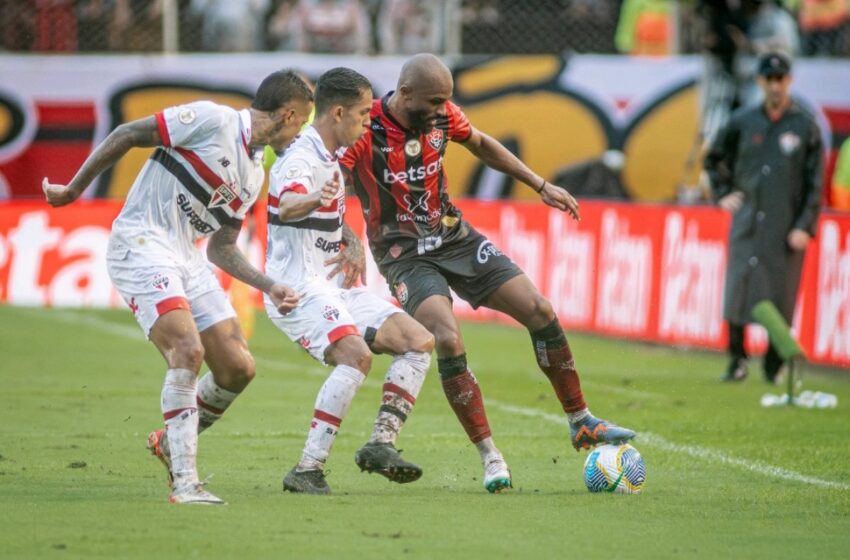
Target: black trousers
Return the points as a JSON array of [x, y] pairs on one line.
[[772, 360]]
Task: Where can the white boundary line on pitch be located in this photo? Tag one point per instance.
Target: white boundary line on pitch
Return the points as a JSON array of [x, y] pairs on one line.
[[649, 438], [694, 451]]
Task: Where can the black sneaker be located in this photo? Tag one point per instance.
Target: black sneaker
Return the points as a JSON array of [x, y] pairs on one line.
[[737, 370], [306, 482], [382, 458]]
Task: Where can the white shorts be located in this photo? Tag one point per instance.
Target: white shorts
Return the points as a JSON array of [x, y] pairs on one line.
[[151, 288], [327, 315]]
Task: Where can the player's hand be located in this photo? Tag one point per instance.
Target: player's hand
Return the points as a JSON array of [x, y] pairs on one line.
[[284, 298], [732, 202], [559, 198], [329, 190], [351, 261], [58, 195], [798, 239]]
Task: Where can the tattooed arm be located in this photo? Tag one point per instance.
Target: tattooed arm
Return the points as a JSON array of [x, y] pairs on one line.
[[223, 252], [142, 133], [351, 261]]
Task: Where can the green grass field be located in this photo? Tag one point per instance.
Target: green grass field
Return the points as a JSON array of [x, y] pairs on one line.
[[726, 478]]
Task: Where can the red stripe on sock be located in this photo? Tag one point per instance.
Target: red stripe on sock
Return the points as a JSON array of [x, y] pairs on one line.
[[209, 407], [169, 414], [464, 396], [393, 388], [325, 417], [172, 303]]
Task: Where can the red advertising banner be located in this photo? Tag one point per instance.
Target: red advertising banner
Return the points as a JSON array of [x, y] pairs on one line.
[[637, 271]]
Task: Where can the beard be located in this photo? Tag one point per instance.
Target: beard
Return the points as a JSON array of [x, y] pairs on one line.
[[419, 121]]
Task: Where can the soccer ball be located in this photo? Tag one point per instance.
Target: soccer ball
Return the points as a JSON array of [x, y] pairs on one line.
[[615, 468]]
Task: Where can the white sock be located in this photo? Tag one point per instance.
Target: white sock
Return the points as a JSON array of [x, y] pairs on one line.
[[332, 404], [574, 417], [212, 401], [181, 423], [487, 450], [401, 387]]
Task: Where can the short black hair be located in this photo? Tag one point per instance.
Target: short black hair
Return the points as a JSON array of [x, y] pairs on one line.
[[279, 88], [339, 86]]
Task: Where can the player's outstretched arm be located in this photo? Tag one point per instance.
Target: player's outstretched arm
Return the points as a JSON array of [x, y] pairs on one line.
[[294, 206], [223, 252], [141, 133], [495, 155], [351, 260]]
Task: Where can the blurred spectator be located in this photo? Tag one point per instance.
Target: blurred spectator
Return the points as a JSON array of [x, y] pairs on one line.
[[137, 26], [644, 27], [823, 23], [330, 26], [279, 31], [17, 25], [55, 25], [840, 191], [232, 25], [93, 20], [409, 27]]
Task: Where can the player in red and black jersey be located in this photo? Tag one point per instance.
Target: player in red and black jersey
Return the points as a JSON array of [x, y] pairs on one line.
[[423, 247]]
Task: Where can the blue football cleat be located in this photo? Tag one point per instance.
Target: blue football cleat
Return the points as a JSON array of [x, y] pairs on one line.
[[592, 431]]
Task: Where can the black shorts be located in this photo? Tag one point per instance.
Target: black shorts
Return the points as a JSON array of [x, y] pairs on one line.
[[472, 266]]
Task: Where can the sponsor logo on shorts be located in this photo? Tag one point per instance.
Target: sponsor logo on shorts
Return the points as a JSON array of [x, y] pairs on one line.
[[328, 246], [160, 281], [435, 138], [194, 218], [400, 289], [330, 313], [487, 250], [395, 251], [304, 342]]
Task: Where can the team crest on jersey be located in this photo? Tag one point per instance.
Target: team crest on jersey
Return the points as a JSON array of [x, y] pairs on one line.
[[222, 196], [435, 138], [330, 313], [160, 281], [401, 294], [412, 147], [186, 116], [788, 143]]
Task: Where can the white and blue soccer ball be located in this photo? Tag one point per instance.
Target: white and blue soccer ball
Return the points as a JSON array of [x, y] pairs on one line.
[[616, 469]]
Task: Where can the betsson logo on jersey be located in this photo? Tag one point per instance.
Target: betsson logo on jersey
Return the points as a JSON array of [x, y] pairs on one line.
[[413, 173]]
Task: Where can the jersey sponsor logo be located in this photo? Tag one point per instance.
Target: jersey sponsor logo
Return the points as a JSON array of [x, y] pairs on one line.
[[160, 281], [330, 313], [413, 173], [328, 246], [420, 205], [788, 143], [487, 250], [401, 294], [222, 196], [435, 138], [293, 172], [186, 116], [195, 219], [387, 149], [412, 147]]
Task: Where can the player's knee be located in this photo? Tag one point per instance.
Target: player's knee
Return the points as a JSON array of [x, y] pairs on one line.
[[448, 342], [350, 351], [542, 313], [244, 369], [188, 353], [421, 341]]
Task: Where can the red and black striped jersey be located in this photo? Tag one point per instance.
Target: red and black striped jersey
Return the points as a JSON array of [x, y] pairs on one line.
[[399, 178]]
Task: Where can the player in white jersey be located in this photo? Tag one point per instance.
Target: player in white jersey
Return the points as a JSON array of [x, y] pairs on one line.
[[312, 250], [201, 180]]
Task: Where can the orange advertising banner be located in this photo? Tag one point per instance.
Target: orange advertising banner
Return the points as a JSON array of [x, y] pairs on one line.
[[636, 271]]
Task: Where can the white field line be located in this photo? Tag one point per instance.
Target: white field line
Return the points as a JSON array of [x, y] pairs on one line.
[[655, 440], [701, 453]]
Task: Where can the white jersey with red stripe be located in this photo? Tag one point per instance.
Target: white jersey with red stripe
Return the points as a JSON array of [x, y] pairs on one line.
[[204, 176], [298, 249]]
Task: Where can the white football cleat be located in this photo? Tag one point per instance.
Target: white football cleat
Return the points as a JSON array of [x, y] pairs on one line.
[[497, 475], [194, 493]]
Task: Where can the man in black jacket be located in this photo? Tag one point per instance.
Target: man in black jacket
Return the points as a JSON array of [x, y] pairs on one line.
[[766, 168]]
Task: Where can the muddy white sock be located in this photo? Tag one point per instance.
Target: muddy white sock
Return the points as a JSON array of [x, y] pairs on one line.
[[181, 423]]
